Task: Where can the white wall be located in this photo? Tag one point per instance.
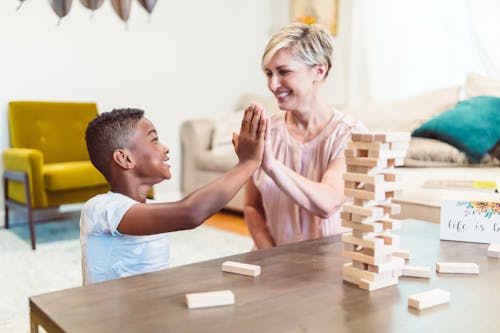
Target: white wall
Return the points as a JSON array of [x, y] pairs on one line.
[[193, 58]]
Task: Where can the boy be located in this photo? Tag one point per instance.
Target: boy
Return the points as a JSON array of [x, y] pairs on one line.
[[120, 234]]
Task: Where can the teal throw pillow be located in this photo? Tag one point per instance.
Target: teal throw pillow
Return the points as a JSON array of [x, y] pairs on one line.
[[472, 126]]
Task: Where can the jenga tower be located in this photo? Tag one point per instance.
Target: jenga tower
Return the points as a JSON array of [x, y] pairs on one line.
[[370, 179]]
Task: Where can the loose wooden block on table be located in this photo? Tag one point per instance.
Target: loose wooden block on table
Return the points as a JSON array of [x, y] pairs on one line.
[[428, 299], [417, 271], [240, 268], [494, 251], [379, 284], [405, 254], [457, 267], [209, 299]]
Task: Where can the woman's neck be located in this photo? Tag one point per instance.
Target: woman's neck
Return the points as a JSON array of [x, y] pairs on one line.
[[306, 124]]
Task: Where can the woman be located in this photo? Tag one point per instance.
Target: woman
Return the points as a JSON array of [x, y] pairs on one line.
[[298, 191]]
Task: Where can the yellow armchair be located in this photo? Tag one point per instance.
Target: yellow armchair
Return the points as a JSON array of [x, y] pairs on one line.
[[48, 164]]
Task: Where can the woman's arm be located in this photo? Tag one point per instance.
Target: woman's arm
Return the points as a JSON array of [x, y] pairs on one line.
[[319, 198], [255, 217]]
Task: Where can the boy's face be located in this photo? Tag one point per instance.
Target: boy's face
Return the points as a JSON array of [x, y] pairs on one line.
[[150, 154]]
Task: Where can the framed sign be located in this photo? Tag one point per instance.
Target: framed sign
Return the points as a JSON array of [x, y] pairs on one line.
[[322, 12], [470, 221]]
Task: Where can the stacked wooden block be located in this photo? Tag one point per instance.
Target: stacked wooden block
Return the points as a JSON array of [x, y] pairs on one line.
[[372, 183]]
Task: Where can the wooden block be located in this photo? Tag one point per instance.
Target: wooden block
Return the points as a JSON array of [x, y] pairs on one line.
[[375, 285], [345, 216], [367, 162], [390, 239], [364, 211], [363, 234], [457, 267], [392, 209], [384, 186], [428, 299], [359, 265], [240, 268], [363, 137], [350, 153], [359, 177], [393, 177], [385, 154], [417, 271], [367, 219], [390, 224], [395, 263], [368, 170], [392, 136], [362, 194], [350, 279], [399, 145], [371, 227], [209, 299], [405, 254], [368, 145], [494, 250], [358, 274], [371, 203], [398, 161], [373, 243], [350, 184], [367, 259]]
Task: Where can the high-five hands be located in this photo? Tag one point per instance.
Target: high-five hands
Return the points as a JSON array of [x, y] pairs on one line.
[[249, 143]]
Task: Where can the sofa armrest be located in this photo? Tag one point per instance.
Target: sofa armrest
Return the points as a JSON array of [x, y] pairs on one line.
[[195, 137], [29, 161]]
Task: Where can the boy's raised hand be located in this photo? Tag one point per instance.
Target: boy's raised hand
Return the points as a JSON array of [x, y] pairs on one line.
[[249, 144]]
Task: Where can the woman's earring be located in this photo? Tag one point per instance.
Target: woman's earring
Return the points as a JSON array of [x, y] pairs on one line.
[[315, 82]]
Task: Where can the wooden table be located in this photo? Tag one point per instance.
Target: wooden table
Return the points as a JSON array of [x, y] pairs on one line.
[[300, 290]]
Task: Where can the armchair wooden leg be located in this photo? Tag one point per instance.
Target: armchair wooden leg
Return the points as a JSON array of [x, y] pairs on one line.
[[30, 211], [24, 178], [6, 207]]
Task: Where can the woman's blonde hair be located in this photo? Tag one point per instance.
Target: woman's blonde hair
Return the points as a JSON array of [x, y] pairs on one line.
[[310, 44]]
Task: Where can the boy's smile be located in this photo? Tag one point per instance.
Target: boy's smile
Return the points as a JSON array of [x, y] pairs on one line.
[[151, 156]]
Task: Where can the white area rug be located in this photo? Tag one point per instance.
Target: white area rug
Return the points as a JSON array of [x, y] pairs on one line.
[[55, 264]]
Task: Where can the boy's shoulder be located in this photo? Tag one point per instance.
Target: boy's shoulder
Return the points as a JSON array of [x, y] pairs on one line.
[[104, 199]]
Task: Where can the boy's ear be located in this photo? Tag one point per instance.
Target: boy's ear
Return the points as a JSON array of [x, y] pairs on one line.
[[123, 158]]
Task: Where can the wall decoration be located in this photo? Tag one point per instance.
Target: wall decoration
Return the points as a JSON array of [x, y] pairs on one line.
[[61, 7], [92, 4], [148, 5], [321, 12], [122, 8]]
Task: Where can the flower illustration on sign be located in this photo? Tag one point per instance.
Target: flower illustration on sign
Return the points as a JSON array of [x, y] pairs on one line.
[[488, 209]]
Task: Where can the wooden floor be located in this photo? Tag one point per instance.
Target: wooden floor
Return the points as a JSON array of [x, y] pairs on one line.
[[229, 221]]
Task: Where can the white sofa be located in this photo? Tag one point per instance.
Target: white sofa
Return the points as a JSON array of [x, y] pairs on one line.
[[207, 151]]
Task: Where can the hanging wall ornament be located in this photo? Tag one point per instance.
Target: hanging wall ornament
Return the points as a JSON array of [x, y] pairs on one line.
[[20, 4], [61, 7], [92, 4], [122, 8], [148, 5]]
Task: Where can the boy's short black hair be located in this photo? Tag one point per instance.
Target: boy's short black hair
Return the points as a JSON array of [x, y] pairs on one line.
[[110, 131]]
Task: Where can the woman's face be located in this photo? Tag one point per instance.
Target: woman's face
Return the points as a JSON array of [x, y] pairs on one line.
[[291, 81]]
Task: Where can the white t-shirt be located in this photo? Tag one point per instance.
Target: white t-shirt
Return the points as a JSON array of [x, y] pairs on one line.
[[286, 221], [106, 253]]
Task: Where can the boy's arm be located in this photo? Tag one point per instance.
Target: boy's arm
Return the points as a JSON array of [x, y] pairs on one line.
[[193, 210]]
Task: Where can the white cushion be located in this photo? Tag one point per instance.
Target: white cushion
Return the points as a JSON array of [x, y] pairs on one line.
[[478, 85], [405, 114], [224, 126]]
